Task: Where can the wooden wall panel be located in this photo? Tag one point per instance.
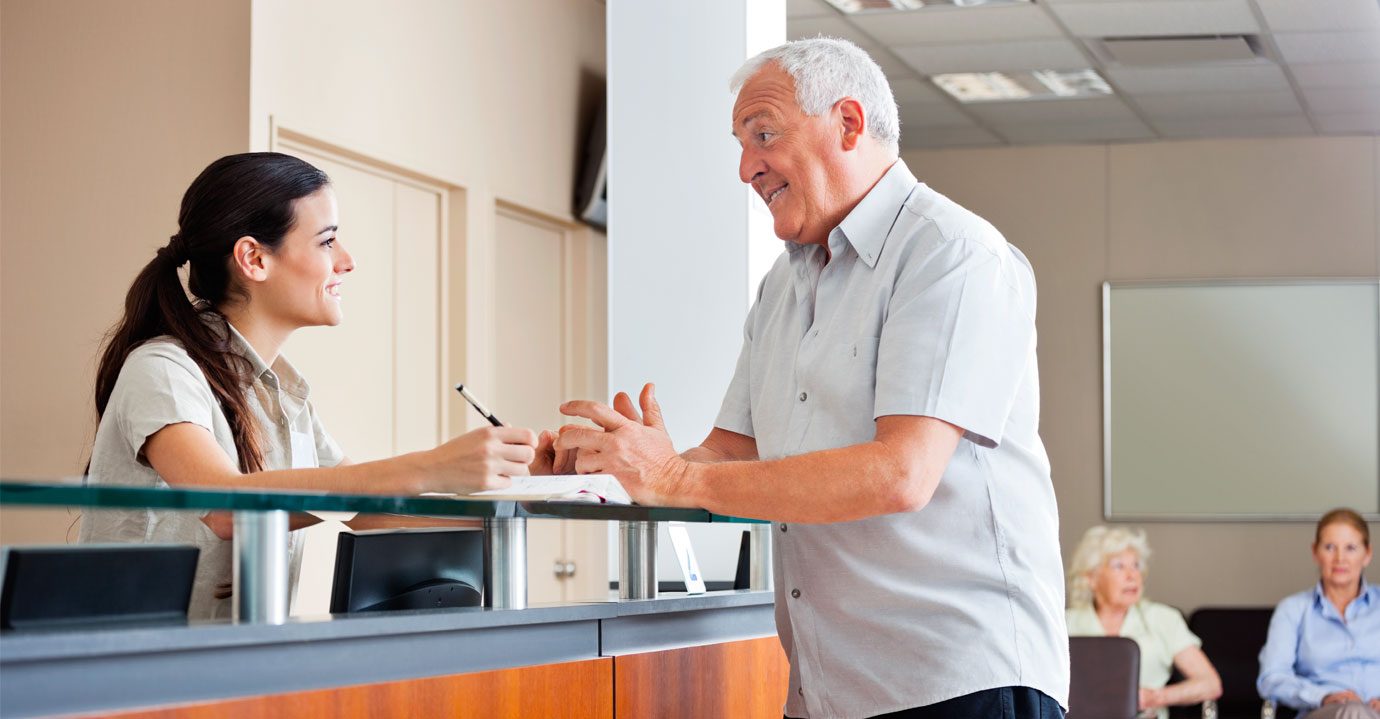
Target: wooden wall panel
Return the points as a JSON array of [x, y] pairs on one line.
[[576, 690], [743, 679]]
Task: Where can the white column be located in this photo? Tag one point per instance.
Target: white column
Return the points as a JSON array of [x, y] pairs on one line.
[[678, 233], [685, 252]]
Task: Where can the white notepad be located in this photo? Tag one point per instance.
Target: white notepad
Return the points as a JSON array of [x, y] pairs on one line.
[[594, 488]]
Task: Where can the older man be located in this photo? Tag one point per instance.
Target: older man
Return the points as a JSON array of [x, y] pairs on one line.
[[884, 414]]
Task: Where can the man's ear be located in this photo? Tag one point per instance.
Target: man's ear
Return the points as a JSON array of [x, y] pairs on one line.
[[852, 122], [249, 259]]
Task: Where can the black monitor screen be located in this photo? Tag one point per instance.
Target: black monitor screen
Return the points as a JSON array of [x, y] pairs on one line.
[[408, 569]]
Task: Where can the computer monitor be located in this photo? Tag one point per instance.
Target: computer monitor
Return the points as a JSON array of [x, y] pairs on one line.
[[96, 584], [389, 569]]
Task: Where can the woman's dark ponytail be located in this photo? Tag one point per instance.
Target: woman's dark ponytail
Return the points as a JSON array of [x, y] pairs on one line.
[[247, 195]]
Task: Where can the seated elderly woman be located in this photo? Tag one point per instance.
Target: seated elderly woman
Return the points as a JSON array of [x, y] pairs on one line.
[[1106, 585], [1323, 652]]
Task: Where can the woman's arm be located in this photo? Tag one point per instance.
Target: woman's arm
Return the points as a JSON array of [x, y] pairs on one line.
[[1200, 683], [186, 455], [1277, 678]]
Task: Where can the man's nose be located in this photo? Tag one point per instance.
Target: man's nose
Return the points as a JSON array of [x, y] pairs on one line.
[[750, 166]]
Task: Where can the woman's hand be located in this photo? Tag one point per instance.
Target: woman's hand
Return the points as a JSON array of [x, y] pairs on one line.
[[482, 459], [1342, 697], [1151, 699]]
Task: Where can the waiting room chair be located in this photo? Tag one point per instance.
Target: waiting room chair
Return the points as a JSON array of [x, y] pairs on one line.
[[1232, 640], [1105, 678]]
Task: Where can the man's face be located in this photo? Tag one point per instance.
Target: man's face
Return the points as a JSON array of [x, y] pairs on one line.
[[789, 158]]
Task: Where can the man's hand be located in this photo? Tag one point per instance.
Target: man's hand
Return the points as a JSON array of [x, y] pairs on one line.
[[1150, 699], [549, 459], [1341, 697], [634, 449]]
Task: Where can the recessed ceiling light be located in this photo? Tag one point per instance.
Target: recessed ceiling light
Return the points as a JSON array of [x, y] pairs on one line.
[[1028, 85], [861, 6]]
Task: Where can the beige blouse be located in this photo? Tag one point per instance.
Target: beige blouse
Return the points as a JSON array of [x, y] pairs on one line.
[[160, 385]]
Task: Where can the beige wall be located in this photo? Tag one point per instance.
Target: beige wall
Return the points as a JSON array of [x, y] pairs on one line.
[[109, 110], [1170, 210]]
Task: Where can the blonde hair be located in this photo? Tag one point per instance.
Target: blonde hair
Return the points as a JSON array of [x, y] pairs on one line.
[[1097, 544]]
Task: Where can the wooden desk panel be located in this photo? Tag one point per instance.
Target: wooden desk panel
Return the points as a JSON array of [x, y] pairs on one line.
[[576, 690], [735, 679]]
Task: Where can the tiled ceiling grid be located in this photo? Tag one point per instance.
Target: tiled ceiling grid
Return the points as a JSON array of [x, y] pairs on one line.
[[1319, 70]]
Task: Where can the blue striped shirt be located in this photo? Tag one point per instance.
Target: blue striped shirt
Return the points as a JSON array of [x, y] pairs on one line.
[[1312, 651]]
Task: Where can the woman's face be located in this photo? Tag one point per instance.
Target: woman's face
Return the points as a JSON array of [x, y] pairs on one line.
[[1116, 584], [302, 288], [1341, 554]]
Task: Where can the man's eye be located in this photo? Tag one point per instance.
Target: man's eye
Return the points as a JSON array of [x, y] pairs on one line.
[[763, 136], [330, 242]]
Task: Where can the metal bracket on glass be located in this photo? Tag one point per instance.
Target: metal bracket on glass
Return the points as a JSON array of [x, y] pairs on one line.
[[637, 560], [505, 563], [759, 539], [261, 566]]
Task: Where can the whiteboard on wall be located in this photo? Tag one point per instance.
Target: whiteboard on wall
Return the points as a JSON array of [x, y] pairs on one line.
[[1240, 400]]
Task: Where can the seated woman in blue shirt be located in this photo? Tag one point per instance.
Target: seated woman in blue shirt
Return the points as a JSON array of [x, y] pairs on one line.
[[1323, 651]]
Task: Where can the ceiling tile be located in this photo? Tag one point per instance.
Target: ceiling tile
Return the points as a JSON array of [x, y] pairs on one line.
[[932, 114], [909, 91], [1311, 15], [1354, 74], [949, 137], [1353, 123], [1137, 18], [993, 56], [1192, 106], [1011, 113], [836, 26], [1343, 101], [808, 8], [1264, 76], [958, 24], [1306, 47], [1244, 126], [1032, 133], [831, 26]]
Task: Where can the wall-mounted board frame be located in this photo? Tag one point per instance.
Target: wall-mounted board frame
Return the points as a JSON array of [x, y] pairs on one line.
[[1240, 400]]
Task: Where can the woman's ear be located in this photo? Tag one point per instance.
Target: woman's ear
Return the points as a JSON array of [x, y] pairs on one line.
[[249, 259]]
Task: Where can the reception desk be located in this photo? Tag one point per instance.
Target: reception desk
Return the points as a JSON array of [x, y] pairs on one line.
[[671, 655], [708, 655]]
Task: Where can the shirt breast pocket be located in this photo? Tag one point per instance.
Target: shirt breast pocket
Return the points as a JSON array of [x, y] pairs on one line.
[[852, 380]]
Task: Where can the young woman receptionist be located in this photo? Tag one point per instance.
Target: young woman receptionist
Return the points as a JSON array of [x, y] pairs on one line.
[[196, 393]]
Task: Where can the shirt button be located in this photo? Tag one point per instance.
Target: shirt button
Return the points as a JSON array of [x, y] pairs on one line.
[[783, 527], [795, 593], [804, 396], [800, 691]]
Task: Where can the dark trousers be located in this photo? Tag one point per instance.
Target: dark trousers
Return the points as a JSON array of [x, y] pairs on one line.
[[1003, 703]]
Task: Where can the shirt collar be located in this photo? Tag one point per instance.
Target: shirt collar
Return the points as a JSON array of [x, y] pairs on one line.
[[1369, 595], [282, 373], [867, 226]]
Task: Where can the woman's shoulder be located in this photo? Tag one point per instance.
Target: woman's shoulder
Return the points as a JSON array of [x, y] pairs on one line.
[[161, 360], [1159, 615]]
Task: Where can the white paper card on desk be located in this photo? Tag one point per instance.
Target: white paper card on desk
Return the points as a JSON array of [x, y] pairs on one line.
[[594, 488]]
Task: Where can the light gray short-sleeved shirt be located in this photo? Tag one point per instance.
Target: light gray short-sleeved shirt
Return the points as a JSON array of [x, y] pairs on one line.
[[925, 310], [160, 385]]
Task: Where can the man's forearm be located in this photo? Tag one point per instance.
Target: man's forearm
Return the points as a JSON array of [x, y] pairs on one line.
[[836, 485]]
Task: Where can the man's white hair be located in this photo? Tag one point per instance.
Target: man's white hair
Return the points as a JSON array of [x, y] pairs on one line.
[[1099, 543], [826, 70]]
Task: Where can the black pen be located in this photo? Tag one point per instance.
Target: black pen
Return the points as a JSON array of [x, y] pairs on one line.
[[478, 406]]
